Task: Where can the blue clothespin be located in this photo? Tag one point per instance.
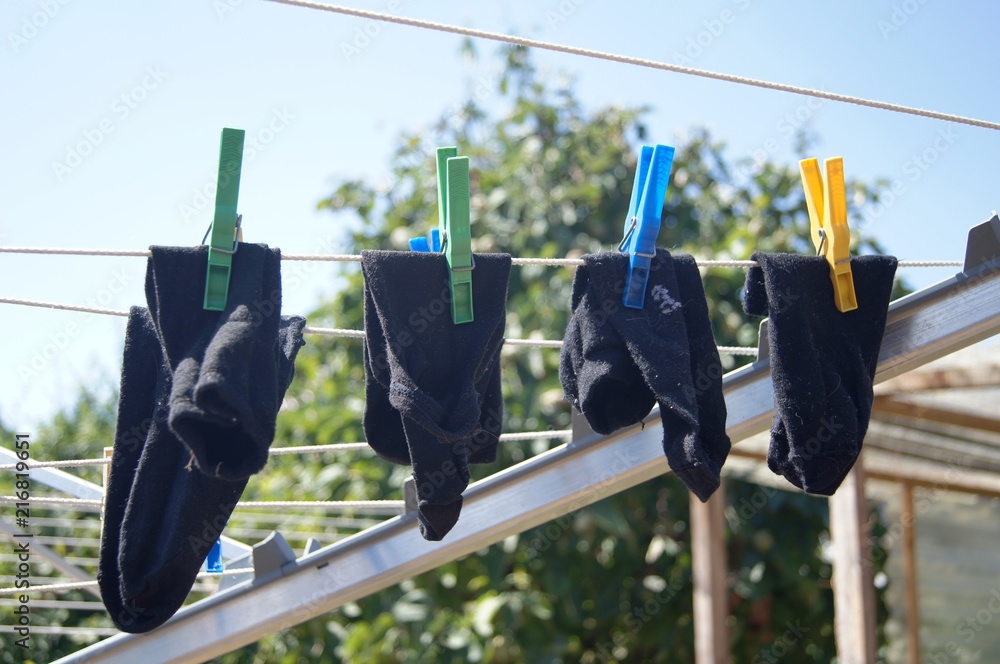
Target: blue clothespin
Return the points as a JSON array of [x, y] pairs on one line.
[[213, 563], [427, 243], [642, 225]]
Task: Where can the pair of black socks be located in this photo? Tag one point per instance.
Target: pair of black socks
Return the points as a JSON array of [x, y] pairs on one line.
[[618, 362], [432, 387], [823, 362], [200, 392]]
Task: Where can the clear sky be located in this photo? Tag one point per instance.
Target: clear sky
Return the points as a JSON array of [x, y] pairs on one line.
[[112, 113]]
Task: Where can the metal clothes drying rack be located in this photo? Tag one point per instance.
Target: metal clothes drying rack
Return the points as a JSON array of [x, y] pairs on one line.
[[287, 590]]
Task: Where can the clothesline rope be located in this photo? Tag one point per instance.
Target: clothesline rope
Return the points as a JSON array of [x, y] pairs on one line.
[[356, 258], [80, 585], [326, 331], [641, 62], [335, 505], [278, 451]]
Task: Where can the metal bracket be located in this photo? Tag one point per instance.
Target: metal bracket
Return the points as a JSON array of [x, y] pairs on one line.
[[763, 342], [581, 427], [409, 495], [984, 244], [272, 556]]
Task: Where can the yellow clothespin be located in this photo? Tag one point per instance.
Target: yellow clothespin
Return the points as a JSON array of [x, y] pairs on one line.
[[831, 234]]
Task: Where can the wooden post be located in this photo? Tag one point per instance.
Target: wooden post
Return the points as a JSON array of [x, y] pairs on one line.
[[853, 577], [708, 567], [910, 590]]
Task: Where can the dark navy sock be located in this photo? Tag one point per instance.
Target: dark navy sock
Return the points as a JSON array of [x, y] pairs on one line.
[[617, 361], [823, 361], [439, 379], [136, 405], [228, 373]]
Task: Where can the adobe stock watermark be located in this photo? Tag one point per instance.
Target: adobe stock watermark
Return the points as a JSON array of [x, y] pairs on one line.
[[256, 142], [55, 343], [121, 108], [485, 87], [33, 24], [223, 8], [967, 629], [624, 460], [563, 12], [713, 30], [913, 170], [613, 650], [900, 16], [367, 33], [785, 128]]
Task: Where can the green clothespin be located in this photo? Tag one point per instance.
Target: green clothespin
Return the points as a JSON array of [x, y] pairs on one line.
[[225, 225], [453, 220]]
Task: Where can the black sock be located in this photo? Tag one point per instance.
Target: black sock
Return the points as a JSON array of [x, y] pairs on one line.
[[136, 403], [220, 377], [383, 425], [175, 513], [706, 365], [823, 361], [226, 364], [437, 376], [618, 360], [596, 369]]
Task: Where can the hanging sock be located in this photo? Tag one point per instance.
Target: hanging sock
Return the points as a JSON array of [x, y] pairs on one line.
[[178, 504], [383, 425], [617, 362], [433, 386], [823, 362], [229, 373], [136, 406]]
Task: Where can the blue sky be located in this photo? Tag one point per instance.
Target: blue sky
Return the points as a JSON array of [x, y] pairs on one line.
[[112, 114]]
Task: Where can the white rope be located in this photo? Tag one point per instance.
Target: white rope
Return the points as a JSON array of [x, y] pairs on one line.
[[278, 451], [63, 307], [551, 262], [737, 350], [78, 585], [310, 449], [384, 505], [641, 62], [74, 252], [532, 435], [25, 466], [52, 587], [47, 500], [356, 258], [336, 505], [930, 264], [324, 331]]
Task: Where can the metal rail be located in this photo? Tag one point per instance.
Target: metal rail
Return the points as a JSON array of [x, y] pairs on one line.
[[921, 327]]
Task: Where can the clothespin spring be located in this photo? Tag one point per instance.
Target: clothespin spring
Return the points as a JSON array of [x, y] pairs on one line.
[[444, 245], [628, 234], [822, 242], [238, 236]]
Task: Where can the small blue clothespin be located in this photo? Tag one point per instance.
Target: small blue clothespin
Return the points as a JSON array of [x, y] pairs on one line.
[[427, 243], [642, 225], [213, 562]]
